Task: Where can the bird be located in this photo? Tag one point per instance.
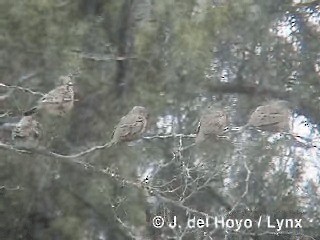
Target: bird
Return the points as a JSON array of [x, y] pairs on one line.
[[273, 116], [26, 133], [131, 126], [58, 101], [212, 124]]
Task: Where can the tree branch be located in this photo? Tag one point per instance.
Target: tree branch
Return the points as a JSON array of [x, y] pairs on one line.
[[12, 88], [19, 88]]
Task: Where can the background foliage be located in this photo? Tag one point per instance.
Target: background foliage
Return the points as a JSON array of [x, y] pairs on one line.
[[175, 57]]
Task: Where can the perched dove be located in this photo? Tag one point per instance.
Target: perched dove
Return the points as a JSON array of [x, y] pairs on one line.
[[272, 117], [58, 101], [212, 123], [26, 133], [131, 126]]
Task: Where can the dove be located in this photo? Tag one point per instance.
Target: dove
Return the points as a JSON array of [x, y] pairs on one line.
[[212, 123], [131, 126], [26, 133], [273, 117], [58, 101]]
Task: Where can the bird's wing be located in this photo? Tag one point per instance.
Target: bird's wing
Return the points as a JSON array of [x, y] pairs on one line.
[[205, 124], [54, 96], [213, 123], [132, 124], [36, 128], [266, 116]]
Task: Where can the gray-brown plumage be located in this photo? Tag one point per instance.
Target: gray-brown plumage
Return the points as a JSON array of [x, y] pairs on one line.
[[131, 126], [58, 101], [273, 117], [212, 123], [26, 133]]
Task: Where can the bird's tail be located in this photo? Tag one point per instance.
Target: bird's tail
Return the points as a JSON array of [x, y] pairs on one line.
[[30, 111], [7, 126], [9, 122]]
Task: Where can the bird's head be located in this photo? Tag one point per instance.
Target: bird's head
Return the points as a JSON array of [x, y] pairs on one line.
[[27, 118], [65, 80], [140, 111]]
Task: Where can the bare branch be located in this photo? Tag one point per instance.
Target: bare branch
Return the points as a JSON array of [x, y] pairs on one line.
[[21, 89], [182, 206], [4, 114], [170, 136], [11, 188], [103, 57], [44, 151], [246, 189], [20, 80], [10, 147], [80, 154], [130, 230]]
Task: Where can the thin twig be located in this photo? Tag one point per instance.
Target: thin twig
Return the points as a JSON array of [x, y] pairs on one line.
[[246, 189], [80, 154], [100, 57], [4, 114], [170, 136], [22, 89], [20, 80], [11, 188]]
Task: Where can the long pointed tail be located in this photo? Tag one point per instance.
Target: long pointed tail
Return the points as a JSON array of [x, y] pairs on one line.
[[9, 122], [31, 111]]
